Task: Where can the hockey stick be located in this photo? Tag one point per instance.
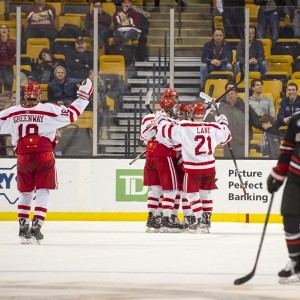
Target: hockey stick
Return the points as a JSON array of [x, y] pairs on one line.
[[147, 104], [251, 274], [147, 101], [137, 158], [210, 99]]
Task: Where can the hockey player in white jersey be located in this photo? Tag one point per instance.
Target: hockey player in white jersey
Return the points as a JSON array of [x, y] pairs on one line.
[[33, 127], [199, 140], [159, 171]]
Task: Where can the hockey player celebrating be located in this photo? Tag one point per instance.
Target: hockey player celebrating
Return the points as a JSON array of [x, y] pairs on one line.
[[198, 140], [288, 166], [33, 127], [159, 170]]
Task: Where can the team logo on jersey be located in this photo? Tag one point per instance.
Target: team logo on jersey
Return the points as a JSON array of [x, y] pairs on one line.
[[8, 184], [129, 186]]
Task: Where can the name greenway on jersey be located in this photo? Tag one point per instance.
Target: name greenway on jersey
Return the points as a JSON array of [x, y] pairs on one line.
[[29, 118]]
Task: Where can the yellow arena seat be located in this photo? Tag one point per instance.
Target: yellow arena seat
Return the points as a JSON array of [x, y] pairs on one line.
[[267, 43], [218, 87], [281, 63], [112, 64], [274, 87], [35, 45]]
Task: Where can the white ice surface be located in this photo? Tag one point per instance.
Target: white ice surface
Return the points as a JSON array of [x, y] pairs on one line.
[[118, 260]]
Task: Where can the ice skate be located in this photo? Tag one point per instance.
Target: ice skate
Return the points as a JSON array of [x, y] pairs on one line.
[[291, 272], [176, 224], [193, 224], [35, 231], [205, 223], [24, 232], [152, 224], [184, 225], [166, 225]]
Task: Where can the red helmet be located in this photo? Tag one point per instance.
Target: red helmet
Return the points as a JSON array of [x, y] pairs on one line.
[[198, 110], [167, 102], [32, 90], [185, 108], [170, 93], [185, 111]]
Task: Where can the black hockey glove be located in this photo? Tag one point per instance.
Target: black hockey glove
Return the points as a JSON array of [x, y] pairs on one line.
[[275, 180]]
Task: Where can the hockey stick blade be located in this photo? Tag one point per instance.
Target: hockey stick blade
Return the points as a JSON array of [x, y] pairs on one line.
[[246, 278], [148, 97], [206, 97], [147, 101]]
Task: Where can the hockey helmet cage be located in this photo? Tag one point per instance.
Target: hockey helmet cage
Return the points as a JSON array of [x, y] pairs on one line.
[[32, 90], [198, 110], [171, 93], [167, 102]]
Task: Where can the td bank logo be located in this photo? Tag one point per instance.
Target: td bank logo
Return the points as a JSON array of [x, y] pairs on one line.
[[129, 186]]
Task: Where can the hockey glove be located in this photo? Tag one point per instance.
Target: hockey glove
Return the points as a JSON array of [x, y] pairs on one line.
[[149, 133], [86, 89], [275, 180], [222, 119], [159, 116]]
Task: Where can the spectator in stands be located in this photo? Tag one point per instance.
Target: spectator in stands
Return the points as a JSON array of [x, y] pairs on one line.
[[103, 113], [45, 69], [271, 142], [296, 20], [234, 109], [269, 14], [157, 4], [216, 56], [125, 23], [79, 62], [233, 18], [61, 90], [40, 22], [104, 20], [256, 53], [261, 104], [288, 105], [7, 58]]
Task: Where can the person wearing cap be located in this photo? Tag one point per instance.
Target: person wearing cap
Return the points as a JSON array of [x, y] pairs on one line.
[[62, 90], [40, 22], [104, 21], [126, 23], [45, 69], [79, 61], [7, 58]]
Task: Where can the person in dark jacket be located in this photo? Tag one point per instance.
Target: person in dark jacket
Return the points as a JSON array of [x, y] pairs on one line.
[[61, 90], [271, 141], [104, 21], [45, 69], [288, 105], [216, 56], [287, 169], [79, 62], [234, 109], [233, 18], [256, 53]]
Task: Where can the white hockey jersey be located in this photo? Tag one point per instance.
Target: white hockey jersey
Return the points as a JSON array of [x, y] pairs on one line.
[[198, 140], [42, 119], [158, 145]]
